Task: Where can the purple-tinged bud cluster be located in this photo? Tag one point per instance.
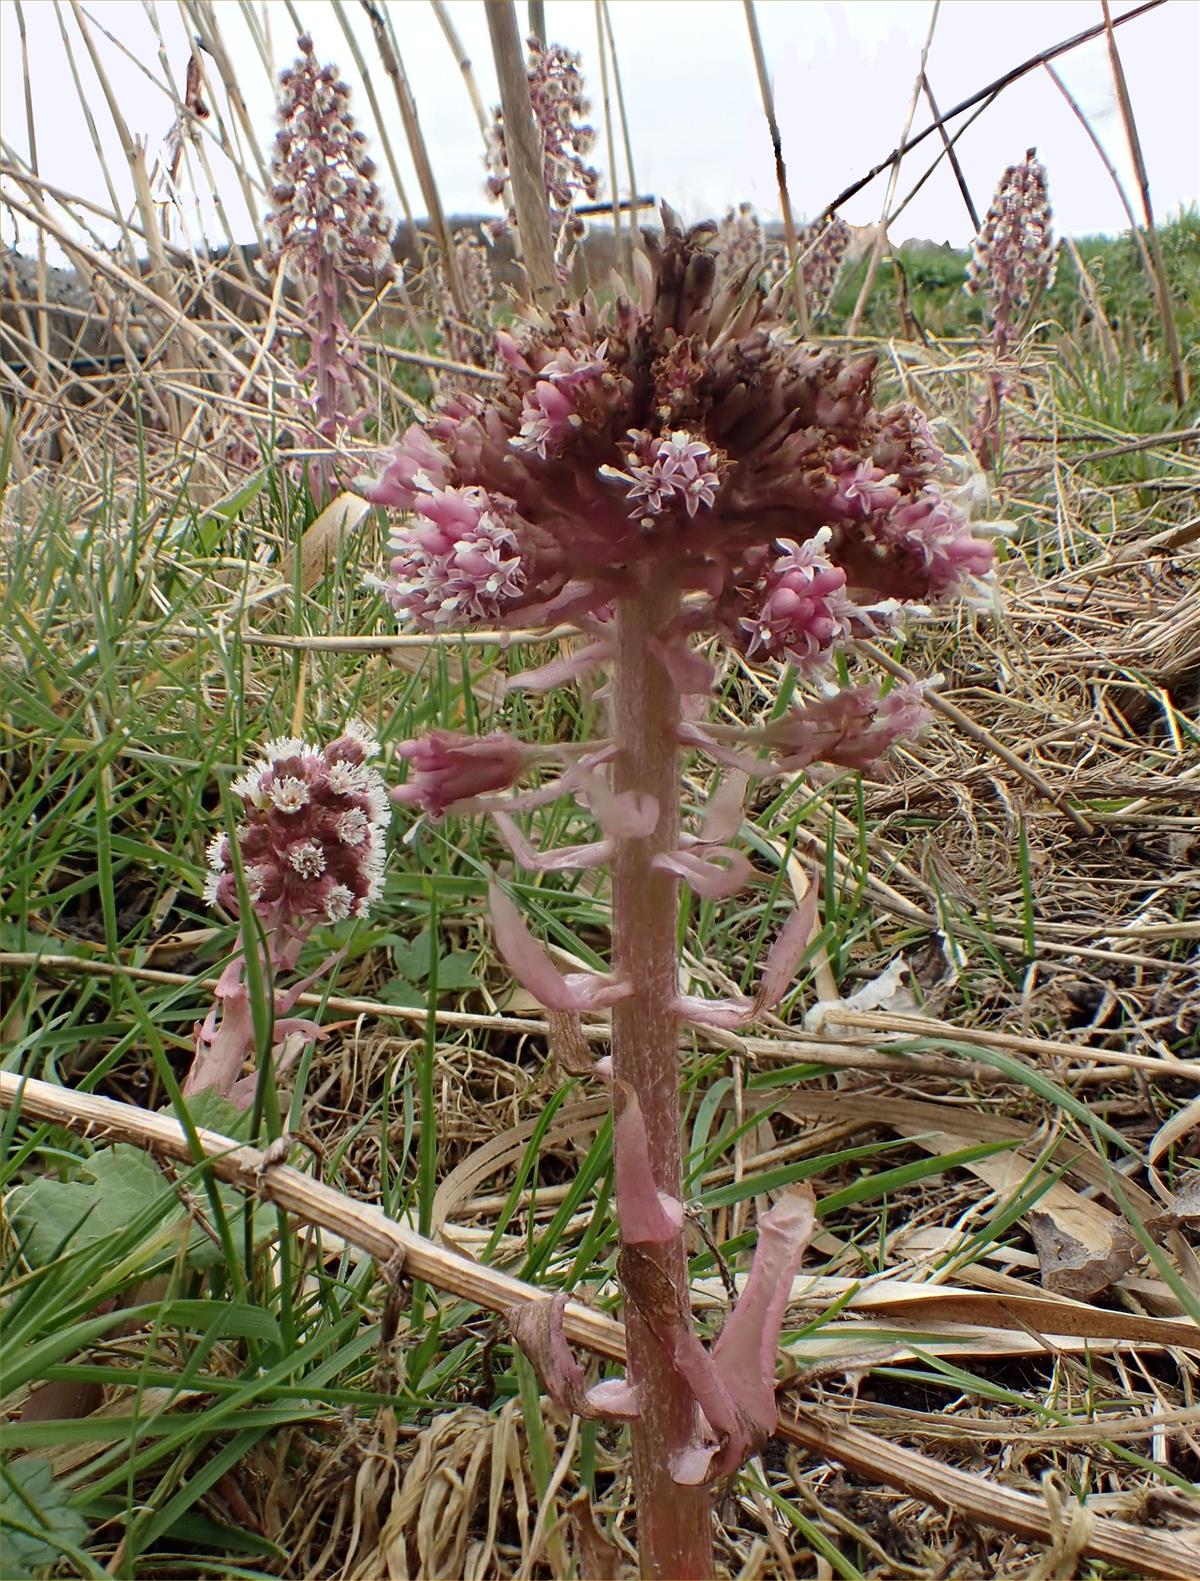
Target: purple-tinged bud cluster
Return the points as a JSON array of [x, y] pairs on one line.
[[741, 248], [1014, 255], [311, 845], [821, 249], [465, 339], [312, 837], [1013, 263], [675, 469], [461, 565], [823, 246], [559, 107], [677, 435], [852, 729], [801, 610], [450, 770], [328, 228], [325, 203]]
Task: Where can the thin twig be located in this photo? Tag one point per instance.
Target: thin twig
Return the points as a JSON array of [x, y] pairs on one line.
[[633, 203], [978, 734], [1009, 77], [1159, 274], [610, 137], [464, 63], [795, 266], [522, 143], [880, 240], [951, 153]]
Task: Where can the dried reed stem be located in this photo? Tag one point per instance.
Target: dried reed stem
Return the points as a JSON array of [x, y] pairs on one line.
[[389, 54], [610, 139], [951, 153], [1158, 274], [632, 204], [795, 265], [881, 234], [984, 94], [464, 62], [523, 144]]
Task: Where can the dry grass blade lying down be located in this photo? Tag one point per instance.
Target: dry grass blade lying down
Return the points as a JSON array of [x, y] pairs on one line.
[[269, 1343]]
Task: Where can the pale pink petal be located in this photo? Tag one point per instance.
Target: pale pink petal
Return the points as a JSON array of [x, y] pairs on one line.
[[787, 951], [615, 1397], [715, 876], [690, 672], [557, 861], [534, 969], [623, 815], [691, 735], [726, 809], [646, 1214], [726, 1014], [778, 976], [558, 672], [745, 1351], [692, 1467]]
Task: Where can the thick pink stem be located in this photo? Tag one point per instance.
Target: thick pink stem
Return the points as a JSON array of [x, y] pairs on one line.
[[674, 1523], [325, 358]]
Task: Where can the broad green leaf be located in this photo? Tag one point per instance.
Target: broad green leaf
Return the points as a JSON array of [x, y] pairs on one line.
[[35, 1518]]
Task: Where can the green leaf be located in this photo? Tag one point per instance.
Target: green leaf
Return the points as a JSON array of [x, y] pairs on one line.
[[113, 1188], [35, 1518]]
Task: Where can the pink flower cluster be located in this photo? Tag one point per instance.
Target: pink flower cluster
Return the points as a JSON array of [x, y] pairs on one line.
[[325, 202], [676, 434], [1014, 255], [559, 107], [327, 227], [311, 840], [464, 339], [740, 243]]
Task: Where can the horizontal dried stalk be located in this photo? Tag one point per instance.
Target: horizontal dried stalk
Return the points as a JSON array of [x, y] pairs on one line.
[[369, 1228]]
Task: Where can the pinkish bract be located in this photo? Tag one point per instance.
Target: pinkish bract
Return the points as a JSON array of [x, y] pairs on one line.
[[670, 469]]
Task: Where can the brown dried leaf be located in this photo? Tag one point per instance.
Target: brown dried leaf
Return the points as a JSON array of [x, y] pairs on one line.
[[323, 536], [1073, 1267]]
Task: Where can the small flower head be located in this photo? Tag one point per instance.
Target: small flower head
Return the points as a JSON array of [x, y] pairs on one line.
[[325, 202], [559, 107], [311, 840], [799, 610], [852, 729], [1014, 253], [461, 565], [675, 471], [740, 246]]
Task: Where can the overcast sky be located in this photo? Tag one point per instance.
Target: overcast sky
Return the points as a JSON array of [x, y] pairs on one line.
[[843, 73]]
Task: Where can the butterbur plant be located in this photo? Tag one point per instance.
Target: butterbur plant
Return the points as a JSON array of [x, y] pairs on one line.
[[328, 229], [740, 243], [1011, 266], [670, 469], [311, 842], [556, 93], [464, 339]]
